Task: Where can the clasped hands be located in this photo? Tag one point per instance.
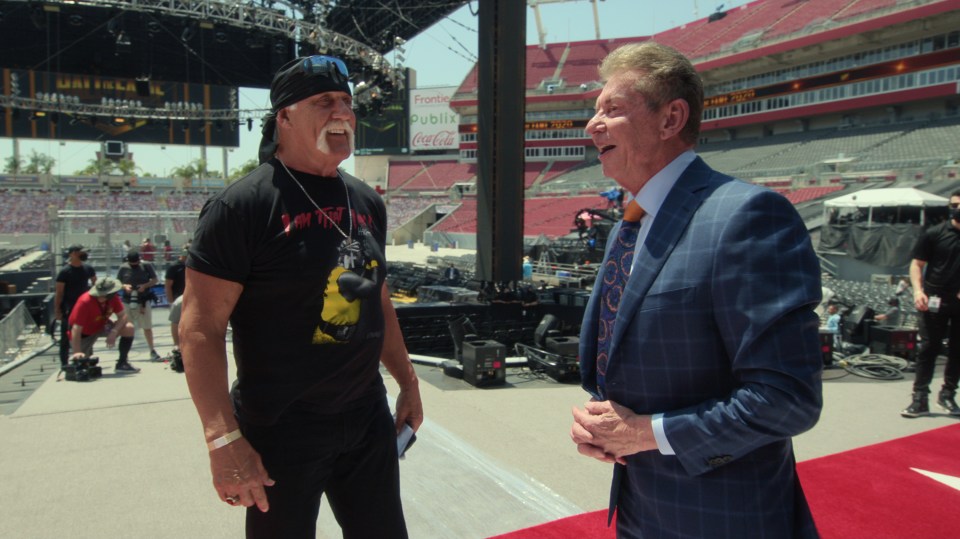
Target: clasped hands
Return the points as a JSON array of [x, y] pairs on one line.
[[609, 432]]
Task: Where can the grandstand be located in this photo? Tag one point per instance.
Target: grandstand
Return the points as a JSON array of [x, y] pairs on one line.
[[810, 99]]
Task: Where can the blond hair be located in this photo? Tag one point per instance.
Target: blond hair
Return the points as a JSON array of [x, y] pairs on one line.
[[665, 75]]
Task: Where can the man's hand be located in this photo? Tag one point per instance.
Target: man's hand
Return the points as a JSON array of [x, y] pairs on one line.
[[920, 301], [238, 472], [78, 355], [111, 339], [409, 408], [609, 432]]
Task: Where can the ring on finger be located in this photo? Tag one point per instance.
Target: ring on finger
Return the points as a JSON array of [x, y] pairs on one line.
[[232, 500]]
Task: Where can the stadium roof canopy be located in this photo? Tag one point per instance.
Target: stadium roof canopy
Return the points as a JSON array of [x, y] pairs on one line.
[[892, 197], [208, 41]]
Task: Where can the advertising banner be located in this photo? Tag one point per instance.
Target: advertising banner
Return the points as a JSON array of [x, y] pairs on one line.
[[433, 126]]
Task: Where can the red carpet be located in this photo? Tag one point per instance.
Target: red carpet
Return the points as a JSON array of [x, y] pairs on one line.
[[873, 492]]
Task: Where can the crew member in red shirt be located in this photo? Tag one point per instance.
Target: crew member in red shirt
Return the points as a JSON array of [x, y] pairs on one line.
[[91, 318]]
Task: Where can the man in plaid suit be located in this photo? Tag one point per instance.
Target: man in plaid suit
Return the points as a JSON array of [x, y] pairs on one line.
[[699, 345]]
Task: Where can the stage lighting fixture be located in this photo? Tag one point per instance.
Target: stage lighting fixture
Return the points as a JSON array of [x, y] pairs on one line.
[[220, 36], [118, 120], [249, 124], [154, 27], [188, 32], [37, 115], [123, 40], [76, 19]]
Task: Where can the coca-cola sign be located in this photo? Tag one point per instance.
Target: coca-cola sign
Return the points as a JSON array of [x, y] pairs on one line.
[[433, 126], [439, 140]]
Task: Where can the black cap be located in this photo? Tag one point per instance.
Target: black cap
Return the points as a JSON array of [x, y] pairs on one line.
[[74, 248], [133, 256]]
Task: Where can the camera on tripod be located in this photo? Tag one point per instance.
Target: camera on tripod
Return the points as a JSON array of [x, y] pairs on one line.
[[83, 369]]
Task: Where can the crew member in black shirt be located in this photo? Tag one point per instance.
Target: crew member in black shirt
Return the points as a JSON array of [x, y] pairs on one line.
[[935, 276], [74, 279]]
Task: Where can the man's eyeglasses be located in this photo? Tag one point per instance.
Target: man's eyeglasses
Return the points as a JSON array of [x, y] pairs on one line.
[[954, 204], [319, 64]]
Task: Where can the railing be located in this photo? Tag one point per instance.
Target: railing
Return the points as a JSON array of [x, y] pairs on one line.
[[19, 334]]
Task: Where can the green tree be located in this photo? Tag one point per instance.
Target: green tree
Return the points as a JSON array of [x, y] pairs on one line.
[[39, 163], [244, 169], [193, 170], [13, 165], [126, 167], [95, 167]]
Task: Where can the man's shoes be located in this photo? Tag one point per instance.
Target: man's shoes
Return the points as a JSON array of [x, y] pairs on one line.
[[918, 407], [154, 356], [945, 401], [124, 367]]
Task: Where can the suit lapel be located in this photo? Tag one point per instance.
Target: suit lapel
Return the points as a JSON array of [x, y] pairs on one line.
[[671, 221]]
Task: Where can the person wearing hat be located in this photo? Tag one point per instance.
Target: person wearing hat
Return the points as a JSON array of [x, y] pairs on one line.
[[292, 256], [138, 278], [90, 320], [73, 280]]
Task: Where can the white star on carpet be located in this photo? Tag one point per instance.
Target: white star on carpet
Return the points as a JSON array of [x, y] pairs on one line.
[[949, 480]]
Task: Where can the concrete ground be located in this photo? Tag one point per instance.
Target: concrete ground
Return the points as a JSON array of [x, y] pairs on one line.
[[124, 456]]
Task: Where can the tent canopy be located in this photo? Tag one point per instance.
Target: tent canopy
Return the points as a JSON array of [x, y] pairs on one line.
[[894, 196]]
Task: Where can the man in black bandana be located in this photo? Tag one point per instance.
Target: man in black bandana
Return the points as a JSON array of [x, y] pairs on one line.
[[292, 256]]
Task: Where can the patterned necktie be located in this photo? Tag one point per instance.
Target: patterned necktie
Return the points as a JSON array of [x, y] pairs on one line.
[[615, 273]]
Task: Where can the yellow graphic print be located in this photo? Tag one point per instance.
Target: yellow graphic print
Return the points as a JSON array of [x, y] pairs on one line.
[[341, 305]]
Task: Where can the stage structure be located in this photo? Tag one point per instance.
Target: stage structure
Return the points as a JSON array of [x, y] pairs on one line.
[[199, 42], [871, 232], [103, 232]]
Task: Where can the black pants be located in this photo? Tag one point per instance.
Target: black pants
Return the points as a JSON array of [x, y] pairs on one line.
[[64, 340], [939, 325], [351, 457]]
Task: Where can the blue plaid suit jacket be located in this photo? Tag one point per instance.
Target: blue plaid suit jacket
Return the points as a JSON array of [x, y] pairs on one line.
[[716, 330]]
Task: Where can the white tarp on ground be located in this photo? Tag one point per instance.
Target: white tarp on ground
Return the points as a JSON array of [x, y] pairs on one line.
[[894, 196]]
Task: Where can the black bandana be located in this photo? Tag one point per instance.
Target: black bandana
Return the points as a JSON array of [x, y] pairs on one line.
[[290, 85]]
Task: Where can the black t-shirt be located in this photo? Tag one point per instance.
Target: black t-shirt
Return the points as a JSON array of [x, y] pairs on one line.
[[76, 281], [308, 325], [136, 276], [178, 274], [939, 247]]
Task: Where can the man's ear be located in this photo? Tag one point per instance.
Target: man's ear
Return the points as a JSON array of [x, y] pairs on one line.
[[283, 117], [674, 119]]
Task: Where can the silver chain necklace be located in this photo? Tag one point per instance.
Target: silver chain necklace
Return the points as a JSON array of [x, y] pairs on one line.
[[348, 237]]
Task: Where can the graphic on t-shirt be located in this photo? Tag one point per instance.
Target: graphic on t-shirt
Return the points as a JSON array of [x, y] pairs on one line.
[[354, 279]]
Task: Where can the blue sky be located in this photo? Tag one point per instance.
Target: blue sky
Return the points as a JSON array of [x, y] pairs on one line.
[[442, 56]]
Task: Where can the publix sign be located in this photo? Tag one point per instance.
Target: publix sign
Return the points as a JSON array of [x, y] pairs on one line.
[[433, 126]]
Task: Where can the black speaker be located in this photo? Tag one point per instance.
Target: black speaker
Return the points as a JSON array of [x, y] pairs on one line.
[[484, 363], [826, 346], [855, 325], [547, 324], [143, 87], [894, 341], [564, 346]]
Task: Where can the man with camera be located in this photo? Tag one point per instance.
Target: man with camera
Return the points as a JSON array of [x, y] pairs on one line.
[[73, 280], [138, 278], [90, 320]]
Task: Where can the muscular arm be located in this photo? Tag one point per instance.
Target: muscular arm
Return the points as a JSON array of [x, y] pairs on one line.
[[207, 304], [395, 358]]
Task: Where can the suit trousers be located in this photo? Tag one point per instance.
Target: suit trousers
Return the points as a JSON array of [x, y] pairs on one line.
[[351, 457], [939, 325]]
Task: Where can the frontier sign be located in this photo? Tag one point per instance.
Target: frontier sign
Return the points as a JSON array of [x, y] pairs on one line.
[[433, 126]]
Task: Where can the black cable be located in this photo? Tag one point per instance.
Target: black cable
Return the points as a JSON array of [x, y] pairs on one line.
[[874, 366]]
